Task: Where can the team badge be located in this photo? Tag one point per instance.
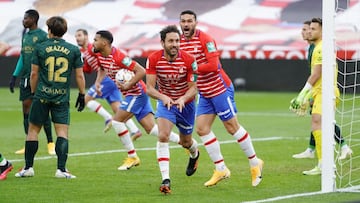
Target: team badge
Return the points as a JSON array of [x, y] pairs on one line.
[[126, 61], [210, 47]]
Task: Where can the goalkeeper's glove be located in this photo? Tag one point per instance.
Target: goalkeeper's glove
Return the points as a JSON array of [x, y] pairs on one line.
[[12, 83], [302, 98], [80, 102]]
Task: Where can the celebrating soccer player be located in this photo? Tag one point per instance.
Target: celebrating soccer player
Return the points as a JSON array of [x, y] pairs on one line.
[[173, 71], [216, 98]]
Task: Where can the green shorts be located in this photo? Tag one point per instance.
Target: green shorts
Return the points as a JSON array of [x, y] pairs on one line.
[[25, 90], [40, 109]]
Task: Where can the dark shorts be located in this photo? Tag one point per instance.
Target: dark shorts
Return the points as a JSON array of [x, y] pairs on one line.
[[40, 109], [25, 90]]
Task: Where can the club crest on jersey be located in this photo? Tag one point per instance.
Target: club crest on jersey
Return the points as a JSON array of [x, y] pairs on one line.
[[194, 66], [182, 69], [35, 39], [126, 61], [210, 47]]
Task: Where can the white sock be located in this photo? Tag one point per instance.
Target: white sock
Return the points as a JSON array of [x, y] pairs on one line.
[[124, 136], [173, 136], [243, 138], [212, 147], [131, 126], [193, 149], [3, 162], [97, 108], [163, 158]]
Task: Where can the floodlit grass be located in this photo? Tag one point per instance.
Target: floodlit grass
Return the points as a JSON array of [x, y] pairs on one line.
[[94, 158]]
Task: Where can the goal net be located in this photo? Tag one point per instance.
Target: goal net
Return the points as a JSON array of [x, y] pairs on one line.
[[347, 113]]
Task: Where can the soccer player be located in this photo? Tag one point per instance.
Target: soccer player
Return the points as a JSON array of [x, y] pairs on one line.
[[310, 151], [312, 89], [216, 98], [53, 62], [5, 167], [136, 101], [173, 71], [109, 90], [34, 36]]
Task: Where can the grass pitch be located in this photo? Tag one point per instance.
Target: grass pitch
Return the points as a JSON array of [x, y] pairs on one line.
[[94, 158]]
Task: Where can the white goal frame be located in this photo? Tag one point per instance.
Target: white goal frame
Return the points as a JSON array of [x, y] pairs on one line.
[[328, 96]]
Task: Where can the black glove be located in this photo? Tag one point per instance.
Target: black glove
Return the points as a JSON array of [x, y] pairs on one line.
[[80, 102], [12, 83]]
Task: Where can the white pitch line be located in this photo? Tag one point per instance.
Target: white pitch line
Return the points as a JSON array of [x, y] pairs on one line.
[[139, 149]]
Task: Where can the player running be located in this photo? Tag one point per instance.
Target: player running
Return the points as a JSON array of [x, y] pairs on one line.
[[109, 90], [216, 98]]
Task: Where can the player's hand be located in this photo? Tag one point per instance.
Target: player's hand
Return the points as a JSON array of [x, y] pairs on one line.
[[80, 102], [12, 83], [302, 110], [302, 99], [180, 104]]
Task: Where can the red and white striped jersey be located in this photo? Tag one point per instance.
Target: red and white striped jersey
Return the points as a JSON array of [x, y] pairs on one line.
[[212, 79], [172, 77], [116, 61]]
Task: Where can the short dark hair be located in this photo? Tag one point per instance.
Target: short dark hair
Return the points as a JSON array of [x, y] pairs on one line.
[[57, 25], [168, 29], [317, 20], [85, 32], [190, 12], [307, 22], [106, 35], [33, 14]]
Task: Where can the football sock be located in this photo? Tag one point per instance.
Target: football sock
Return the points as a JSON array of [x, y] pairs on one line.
[[61, 149], [48, 131], [172, 138], [317, 137], [131, 126], [97, 108], [212, 147], [31, 148], [243, 138], [26, 122], [163, 158], [2, 161], [312, 142], [338, 138], [193, 149], [124, 136]]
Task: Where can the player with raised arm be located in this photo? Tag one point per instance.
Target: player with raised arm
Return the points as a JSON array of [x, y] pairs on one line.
[[53, 62], [216, 98], [109, 90], [136, 101], [173, 71], [33, 36]]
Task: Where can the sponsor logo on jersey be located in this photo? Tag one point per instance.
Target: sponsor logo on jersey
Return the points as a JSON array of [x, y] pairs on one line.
[[126, 61], [210, 47]]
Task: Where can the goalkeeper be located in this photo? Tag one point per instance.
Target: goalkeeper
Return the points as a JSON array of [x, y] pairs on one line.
[[310, 151], [312, 89]]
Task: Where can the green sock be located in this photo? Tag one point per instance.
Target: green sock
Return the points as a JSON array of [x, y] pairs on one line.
[[61, 149], [312, 142], [31, 148]]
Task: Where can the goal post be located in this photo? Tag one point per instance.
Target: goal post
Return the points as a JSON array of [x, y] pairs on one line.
[[328, 96]]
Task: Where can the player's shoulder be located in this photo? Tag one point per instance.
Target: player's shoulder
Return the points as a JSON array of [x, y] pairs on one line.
[[155, 54], [185, 55]]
